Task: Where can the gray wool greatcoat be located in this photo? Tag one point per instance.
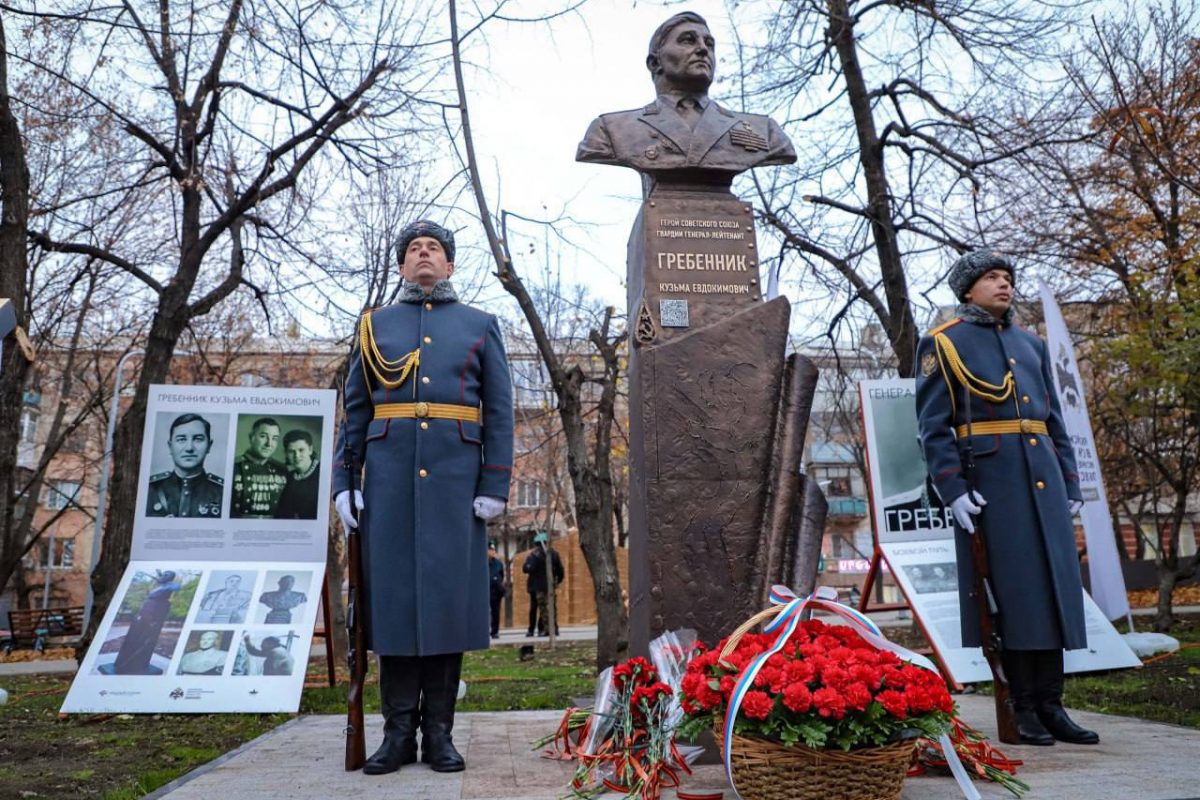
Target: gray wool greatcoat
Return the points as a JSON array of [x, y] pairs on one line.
[[424, 550], [1026, 480]]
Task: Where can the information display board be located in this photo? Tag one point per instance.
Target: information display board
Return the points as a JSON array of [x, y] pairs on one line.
[[915, 535], [216, 609]]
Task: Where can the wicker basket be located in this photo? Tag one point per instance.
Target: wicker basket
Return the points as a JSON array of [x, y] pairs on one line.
[[766, 770]]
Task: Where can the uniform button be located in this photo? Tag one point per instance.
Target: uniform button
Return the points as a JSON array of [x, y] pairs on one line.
[[1033, 442], [425, 474], [1012, 361], [424, 425], [1039, 484], [427, 340], [1024, 398], [429, 306], [425, 379]]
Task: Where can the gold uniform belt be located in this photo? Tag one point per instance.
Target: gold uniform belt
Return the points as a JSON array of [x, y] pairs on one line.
[[1003, 426], [427, 411]]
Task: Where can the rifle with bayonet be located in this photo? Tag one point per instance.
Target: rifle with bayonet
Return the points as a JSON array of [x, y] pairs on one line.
[[985, 602], [356, 652]]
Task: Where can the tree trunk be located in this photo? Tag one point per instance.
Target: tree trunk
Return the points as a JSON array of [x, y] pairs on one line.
[[899, 323], [117, 532], [1164, 617], [14, 271], [593, 516]]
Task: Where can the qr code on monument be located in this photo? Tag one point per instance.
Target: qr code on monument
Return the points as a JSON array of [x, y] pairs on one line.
[[673, 313]]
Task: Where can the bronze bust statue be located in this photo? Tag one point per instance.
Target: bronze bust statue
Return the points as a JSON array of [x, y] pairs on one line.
[[683, 131]]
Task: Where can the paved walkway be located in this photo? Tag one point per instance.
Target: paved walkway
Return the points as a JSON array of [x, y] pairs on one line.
[[302, 760]]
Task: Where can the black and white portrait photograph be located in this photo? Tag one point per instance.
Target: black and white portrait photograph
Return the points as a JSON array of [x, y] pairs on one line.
[[262, 653], [187, 465], [933, 578], [276, 474], [205, 653], [283, 598], [226, 597]]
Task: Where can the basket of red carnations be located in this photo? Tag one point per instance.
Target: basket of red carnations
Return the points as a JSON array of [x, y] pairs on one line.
[[812, 710]]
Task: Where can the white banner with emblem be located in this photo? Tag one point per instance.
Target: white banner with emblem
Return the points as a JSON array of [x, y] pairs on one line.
[[216, 609], [1104, 564]]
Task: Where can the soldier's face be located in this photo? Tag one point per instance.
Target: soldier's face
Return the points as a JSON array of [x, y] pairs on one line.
[[298, 455], [263, 440], [687, 59], [233, 581], [189, 445], [208, 640], [425, 262], [992, 291]]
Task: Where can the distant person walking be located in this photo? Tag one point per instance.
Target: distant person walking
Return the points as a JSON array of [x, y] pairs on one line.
[[498, 590], [538, 586]]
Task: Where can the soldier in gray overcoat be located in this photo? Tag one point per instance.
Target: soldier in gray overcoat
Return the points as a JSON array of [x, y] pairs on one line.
[[1025, 489], [429, 418]]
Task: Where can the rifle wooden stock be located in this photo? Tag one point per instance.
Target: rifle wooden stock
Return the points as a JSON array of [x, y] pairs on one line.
[[989, 615], [989, 634], [356, 652]]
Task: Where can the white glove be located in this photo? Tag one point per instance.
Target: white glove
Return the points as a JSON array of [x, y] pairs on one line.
[[488, 508], [342, 503], [1075, 506], [964, 506]]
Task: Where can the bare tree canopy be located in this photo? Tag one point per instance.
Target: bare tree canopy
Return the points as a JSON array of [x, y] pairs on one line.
[[899, 112]]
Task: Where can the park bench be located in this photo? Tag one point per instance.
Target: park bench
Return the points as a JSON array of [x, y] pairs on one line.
[[33, 627]]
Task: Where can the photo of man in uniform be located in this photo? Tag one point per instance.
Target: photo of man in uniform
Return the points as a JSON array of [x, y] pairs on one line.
[[187, 490], [258, 479], [298, 500], [225, 601]]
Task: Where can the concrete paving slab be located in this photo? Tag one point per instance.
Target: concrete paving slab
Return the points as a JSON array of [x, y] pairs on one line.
[[302, 760]]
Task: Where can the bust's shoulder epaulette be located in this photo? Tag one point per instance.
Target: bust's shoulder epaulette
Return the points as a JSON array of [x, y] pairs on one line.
[[944, 326], [160, 476], [217, 479]]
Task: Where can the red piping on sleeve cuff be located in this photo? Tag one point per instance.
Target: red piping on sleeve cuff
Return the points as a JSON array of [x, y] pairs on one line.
[[497, 466], [946, 473]]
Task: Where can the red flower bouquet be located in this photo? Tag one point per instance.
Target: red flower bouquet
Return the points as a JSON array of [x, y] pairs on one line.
[[625, 742], [827, 688]]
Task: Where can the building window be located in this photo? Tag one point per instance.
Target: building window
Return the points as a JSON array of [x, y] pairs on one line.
[[29, 421], [530, 494], [839, 481], [63, 555], [531, 385], [61, 494]]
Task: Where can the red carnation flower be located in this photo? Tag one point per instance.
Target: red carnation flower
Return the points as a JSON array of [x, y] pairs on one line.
[[797, 697], [894, 703], [757, 705], [858, 696], [829, 703]]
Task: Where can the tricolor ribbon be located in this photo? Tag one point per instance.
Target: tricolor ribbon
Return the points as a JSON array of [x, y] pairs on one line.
[[795, 610]]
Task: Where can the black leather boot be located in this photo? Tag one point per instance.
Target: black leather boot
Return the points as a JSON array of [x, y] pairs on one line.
[[400, 697], [1019, 668], [1048, 697], [439, 693]]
